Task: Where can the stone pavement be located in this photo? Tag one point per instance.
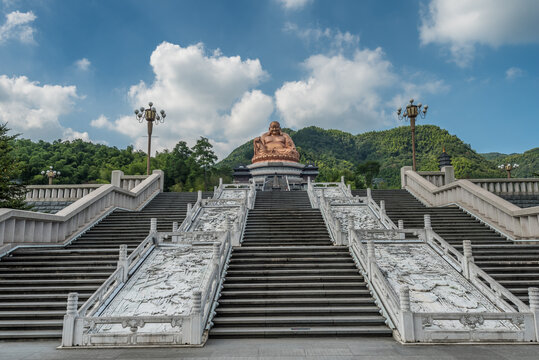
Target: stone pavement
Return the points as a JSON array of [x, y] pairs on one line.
[[311, 348]]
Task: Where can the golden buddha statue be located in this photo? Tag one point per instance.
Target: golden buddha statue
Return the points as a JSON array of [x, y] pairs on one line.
[[275, 145]]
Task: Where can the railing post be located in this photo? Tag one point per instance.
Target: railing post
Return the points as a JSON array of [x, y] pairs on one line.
[[533, 293], [467, 258], [428, 227], [122, 262], [338, 232], [406, 326], [370, 250], [174, 229], [342, 180], [68, 331], [216, 255], [369, 193], [153, 225], [196, 318], [199, 195], [401, 224], [188, 214]]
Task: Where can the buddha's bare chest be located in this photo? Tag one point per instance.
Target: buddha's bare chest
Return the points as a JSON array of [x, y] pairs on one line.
[[274, 139]]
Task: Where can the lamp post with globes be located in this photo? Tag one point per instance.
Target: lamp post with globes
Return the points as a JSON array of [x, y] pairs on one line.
[[51, 174], [151, 116], [508, 167], [411, 113]]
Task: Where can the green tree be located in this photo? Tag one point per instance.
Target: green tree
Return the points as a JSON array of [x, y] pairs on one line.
[[205, 157], [11, 192], [369, 169]]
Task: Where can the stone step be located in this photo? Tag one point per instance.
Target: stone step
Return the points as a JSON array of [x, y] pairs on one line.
[[295, 285], [246, 310], [30, 334], [300, 331], [272, 293], [298, 320], [297, 301]]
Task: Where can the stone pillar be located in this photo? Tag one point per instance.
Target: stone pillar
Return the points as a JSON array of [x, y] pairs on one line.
[[426, 221], [216, 254], [196, 319], [161, 179], [220, 182], [449, 174], [122, 262], [404, 169], [68, 331], [338, 232], [342, 179], [116, 178], [153, 225], [406, 326], [533, 293], [199, 195], [175, 229], [401, 224], [370, 250], [467, 259]]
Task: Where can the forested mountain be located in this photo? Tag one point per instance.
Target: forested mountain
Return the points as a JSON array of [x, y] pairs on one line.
[[528, 162], [338, 153]]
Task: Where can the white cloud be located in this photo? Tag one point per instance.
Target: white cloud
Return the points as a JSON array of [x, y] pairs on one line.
[[70, 134], [33, 110], [336, 39], [294, 4], [101, 122], [203, 95], [349, 93], [83, 64], [460, 25], [513, 73], [17, 26]]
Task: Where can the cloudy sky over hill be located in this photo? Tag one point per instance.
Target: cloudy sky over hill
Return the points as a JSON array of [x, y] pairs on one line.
[[224, 69]]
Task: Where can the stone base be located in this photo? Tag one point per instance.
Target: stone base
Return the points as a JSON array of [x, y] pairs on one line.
[[263, 172]]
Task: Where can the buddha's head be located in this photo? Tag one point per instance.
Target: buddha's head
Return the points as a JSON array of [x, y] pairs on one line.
[[275, 128]]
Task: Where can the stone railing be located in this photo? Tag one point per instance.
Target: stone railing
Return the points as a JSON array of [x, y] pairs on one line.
[[414, 326], [127, 182], [313, 186], [59, 192], [80, 325], [513, 186], [507, 218], [18, 227], [439, 178]]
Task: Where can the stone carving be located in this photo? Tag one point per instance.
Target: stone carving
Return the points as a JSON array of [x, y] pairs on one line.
[[472, 321], [274, 145]]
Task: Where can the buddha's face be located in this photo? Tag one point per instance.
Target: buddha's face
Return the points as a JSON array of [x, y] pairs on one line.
[[275, 128]]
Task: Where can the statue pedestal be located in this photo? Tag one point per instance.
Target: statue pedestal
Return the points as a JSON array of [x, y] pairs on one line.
[[294, 174]]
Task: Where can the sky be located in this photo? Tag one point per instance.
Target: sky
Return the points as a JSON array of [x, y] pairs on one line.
[[225, 69]]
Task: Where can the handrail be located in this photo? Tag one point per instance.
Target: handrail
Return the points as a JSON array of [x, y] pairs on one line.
[[67, 192], [497, 212], [20, 226]]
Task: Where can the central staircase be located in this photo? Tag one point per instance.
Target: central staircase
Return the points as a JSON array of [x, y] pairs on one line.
[[288, 279], [514, 266], [34, 282]]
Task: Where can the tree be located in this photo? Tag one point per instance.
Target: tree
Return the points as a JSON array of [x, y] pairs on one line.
[[11, 192], [369, 170], [205, 157]]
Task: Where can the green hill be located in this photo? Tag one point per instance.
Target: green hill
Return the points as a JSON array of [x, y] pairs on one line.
[[337, 153], [528, 162]]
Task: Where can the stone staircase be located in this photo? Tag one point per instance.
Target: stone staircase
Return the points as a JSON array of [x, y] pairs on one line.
[[288, 279], [34, 282], [515, 266]]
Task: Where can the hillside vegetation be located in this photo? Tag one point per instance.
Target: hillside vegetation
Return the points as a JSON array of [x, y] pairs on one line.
[[338, 153]]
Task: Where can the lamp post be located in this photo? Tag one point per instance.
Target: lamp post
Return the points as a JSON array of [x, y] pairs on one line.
[[151, 116], [411, 113], [51, 174], [508, 168]]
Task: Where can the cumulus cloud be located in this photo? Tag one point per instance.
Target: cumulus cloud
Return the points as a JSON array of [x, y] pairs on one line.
[[33, 110], [209, 95], [293, 4], [460, 25], [83, 64], [513, 73], [70, 134], [17, 26]]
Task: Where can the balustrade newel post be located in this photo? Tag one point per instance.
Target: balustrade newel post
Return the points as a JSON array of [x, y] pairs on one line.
[[428, 227], [68, 331], [199, 195], [533, 294], [196, 318], [174, 229], [401, 224], [406, 326], [122, 262], [467, 258]]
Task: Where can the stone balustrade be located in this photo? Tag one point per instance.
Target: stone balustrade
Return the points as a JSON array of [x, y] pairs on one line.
[[19, 227], [505, 217], [513, 186], [66, 192]]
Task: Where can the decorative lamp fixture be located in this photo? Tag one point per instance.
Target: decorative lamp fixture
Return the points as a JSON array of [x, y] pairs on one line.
[[508, 167], [51, 174], [412, 110], [151, 116]]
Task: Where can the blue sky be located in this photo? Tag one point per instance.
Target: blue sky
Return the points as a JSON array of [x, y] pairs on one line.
[[225, 69]]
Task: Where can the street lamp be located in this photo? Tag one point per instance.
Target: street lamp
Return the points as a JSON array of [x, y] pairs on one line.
[[508, 168], [411, 112], [51, 174], [151, 116]]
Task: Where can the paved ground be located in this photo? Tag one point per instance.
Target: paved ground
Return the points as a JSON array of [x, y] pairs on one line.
[[313, 348]]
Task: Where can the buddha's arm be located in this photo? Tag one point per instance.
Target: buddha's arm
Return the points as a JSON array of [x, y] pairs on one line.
[[289, 142]]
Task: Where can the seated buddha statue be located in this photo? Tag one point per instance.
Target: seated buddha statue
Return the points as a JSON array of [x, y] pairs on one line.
[[275, 145]]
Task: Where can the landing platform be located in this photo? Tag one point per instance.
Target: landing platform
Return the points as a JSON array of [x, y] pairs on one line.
[[314, 348]]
